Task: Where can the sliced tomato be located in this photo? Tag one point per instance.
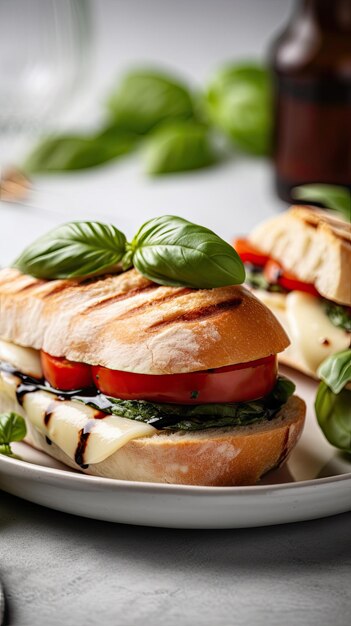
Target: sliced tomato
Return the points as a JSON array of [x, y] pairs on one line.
[[235, 383], [277, 275], [64, 374], [249, 253]]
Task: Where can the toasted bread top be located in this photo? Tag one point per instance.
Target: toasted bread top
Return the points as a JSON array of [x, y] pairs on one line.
[[129, 323]]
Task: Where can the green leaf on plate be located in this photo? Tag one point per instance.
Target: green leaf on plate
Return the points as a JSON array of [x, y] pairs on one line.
[[333, 400], [336, 370], [334, 416], [12, 428]]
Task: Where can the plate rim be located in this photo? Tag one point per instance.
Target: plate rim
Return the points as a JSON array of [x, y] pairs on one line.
[[115, 483]]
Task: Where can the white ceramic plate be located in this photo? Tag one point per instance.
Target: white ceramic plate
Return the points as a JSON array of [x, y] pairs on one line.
[[316, 482]]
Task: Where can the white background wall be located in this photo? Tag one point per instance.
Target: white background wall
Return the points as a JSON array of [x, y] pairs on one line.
[[191, 37]]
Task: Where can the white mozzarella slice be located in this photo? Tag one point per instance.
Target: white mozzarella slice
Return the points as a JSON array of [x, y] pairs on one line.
[[64, 422], [311, 331], [25, 360]]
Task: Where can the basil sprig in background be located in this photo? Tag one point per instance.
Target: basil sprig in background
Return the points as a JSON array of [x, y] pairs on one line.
[[334, 197], [175, 126], [168, 250], [333, 400]]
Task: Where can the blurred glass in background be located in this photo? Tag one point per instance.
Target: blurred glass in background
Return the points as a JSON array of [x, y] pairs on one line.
[[311, 63], [43, 59]]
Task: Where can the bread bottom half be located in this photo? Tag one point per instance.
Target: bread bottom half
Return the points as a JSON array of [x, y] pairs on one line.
[[221, 457]]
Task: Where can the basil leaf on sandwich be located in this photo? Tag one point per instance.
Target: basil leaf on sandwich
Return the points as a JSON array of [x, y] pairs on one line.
[[333, 400], [168, 250], [172, 251], [74, 250], [12, 428]]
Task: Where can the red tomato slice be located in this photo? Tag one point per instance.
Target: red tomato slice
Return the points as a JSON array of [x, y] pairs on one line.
[[249, 254], [276, 274], [235, 383], [64, 374]]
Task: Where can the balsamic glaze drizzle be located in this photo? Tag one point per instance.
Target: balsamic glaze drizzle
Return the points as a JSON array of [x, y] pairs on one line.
[[28, 384], [49, 412], [80, 449]]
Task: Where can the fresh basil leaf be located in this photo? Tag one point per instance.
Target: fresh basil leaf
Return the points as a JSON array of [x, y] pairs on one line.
[[145, 98], [284, 388], [172, 251], [334, 416], [6, 449], [339, 315], [333, 401], [12, 428], [333, 197], [74, 152], [335, 371], [73, 250], [179, 147], [239, 103]]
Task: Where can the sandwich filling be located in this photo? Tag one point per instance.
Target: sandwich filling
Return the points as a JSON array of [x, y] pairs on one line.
[[90, 412], [317, 327]]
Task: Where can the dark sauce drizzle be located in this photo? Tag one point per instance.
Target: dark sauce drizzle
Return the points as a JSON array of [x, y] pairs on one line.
[[49, 411], [84, 435], [28, 384], [80, 449]]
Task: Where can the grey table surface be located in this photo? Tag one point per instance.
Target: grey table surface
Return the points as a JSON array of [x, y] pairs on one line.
[[60, 569]]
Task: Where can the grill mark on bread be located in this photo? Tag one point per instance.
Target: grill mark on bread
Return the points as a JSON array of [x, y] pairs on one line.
[[32, 285], [344, 235], [156, 301], [59, 325], [119, 297], [320, 219], [91, 280], [310, 222], [199, 314], [57, 289]]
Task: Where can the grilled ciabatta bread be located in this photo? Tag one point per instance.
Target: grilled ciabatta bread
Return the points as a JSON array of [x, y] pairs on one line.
[[126, 322], [314, 245]]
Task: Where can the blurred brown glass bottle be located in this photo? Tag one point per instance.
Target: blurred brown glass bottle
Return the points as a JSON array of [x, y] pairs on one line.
[[311, 62]]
